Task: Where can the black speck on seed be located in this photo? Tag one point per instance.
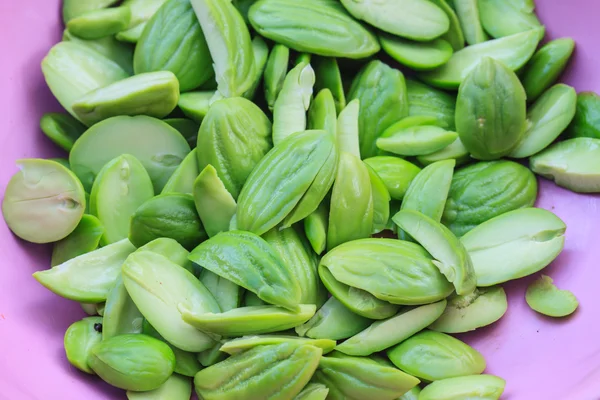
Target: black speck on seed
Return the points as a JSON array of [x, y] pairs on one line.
[[98, 327]]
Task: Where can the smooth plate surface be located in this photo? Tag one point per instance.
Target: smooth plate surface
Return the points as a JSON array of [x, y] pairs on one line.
[[540, 358]]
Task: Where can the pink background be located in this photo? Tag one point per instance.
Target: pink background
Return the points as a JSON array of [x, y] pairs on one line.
[[540, 358]]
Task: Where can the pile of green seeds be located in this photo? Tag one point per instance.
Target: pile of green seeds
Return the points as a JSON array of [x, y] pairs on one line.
[[229, 162]]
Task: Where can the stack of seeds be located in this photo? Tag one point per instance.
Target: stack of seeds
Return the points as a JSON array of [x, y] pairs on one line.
[[226, 174]]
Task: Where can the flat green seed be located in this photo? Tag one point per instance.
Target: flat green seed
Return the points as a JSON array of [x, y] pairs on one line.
[[247, 342], [476, 387], [62, 129], [587, 117], [172, 250], [248, 320], [414, 19], [470, 22], [121, 316], [171, 215], [386, 333], [357, 300], [514, 244], [132, 362], [79, 339], [455, 35], [415, 141], [506, 17], [351, 210], [229, 44], [544, 297], [466, 313], [328, 76], [141, 12], [396, 173], [122, 186], [513, 51], [573, 164], [97, 24], [173, 41], [108, 46], [176, 387], [289, 110], [433, 356], [195, 105], [428, 192], [356, 378], [154, 94], [85, 238], [515, 186], [318, 27], [43, 202], [333, 321], [277, 372], [183, 178], [157, 287], [547, 118], [214, 203], [400, 272], [427, 101], [313, 391], [211, 356], [187, 128], [315, 228], [89, 277], [261, 54], [486, 133], [451, 257], [545, 66], [158, 146], [381, 201], [71, 70], [275, 72], [132, 35], [417, 55], [73, 8]]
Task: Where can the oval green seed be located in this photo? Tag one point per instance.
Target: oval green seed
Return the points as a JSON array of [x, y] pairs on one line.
[[158, 286], [328, 76], [427, 101], [433, 356], [132, 362], [455, 35], [108, 46], [247, 342], [417, 55], [183, 178], [573, 164], [414, 19], [248, 320], [547, 118], [544, 297], [71, 70], [73, 8], [415, 141], [585, 123], [474, 310], [195, 105], [315, 228], [513, 51], [97, 24], [154, 94], [322, 113], [504, 18], [480, 387], [80, 337], [545, 66], [455, 151], [275, 72], [412, 394], [121, 316], [226, 293], [313, 391], [158, 146], [514, 244], [386, 333], [43, 202], [214, 204]]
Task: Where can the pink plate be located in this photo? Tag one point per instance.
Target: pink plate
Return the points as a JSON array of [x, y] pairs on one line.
[[540, 358]]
